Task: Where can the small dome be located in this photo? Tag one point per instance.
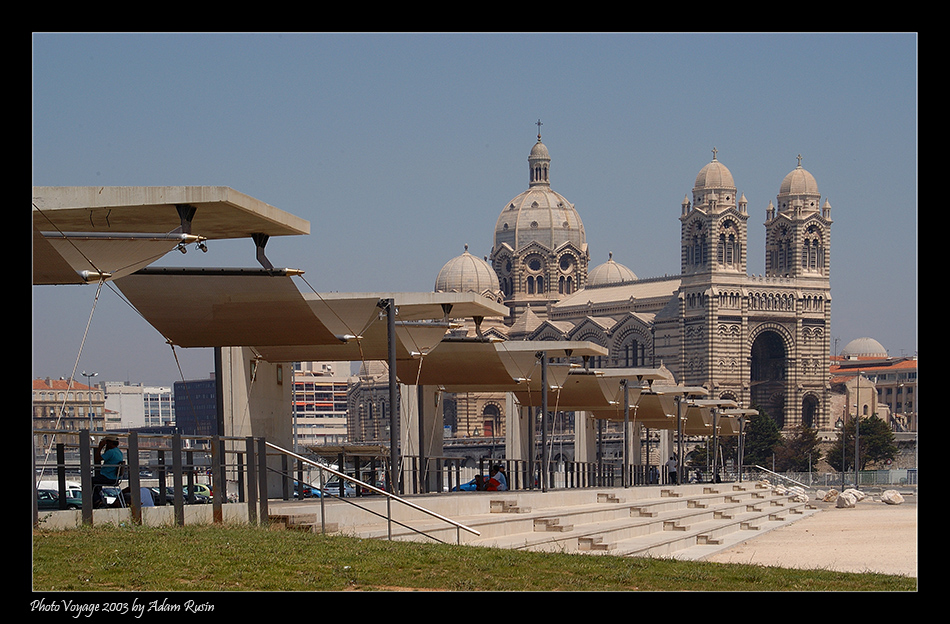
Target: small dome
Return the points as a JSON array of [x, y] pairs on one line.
[[799, 182], [714, 175], [467, 273], [539, 151], [864, 347], [609, 273]]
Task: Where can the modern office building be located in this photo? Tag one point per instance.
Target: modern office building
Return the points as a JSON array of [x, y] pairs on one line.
[[320, 403], [196, 408], [136, 406]]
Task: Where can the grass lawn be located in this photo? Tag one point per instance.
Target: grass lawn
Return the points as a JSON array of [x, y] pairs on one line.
[[251, 559]]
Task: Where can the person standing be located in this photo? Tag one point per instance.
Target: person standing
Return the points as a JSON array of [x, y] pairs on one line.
[[671, 470]]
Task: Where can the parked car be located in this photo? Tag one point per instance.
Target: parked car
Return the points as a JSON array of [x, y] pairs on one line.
[[202, 489], [200, 499], [308, 491], [332, 488], [110, 495], [49, 499]]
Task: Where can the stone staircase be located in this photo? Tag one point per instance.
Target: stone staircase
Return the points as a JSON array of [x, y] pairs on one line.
[[686, 522]]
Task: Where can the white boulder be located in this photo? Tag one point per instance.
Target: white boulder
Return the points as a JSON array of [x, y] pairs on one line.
[[846, 500], [798, 494], [892, 497], [857, 494]]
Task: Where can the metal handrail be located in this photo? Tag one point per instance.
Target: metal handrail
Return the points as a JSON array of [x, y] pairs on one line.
[[781, 476], [389, 496]]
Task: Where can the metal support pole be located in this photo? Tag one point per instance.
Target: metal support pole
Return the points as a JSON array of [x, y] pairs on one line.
[[85, 476], [857, 425], [251, 481], [544, 421], [218, 481], [263, 492], [61, 473], [626, 433], [421, 433], [395, 465], [218, 392], [135, 483], [679, 439], [177, 479], [741, 445], [715, 445]]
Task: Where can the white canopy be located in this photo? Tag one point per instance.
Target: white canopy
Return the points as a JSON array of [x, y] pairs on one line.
[[84, 233]]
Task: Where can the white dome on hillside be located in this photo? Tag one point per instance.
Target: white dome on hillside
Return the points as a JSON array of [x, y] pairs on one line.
[[864, 347]]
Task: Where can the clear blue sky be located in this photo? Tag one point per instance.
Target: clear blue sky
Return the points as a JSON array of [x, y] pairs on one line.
[[400, 149]]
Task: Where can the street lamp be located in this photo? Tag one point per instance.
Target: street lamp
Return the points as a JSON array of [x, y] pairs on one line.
[[857, 427], [89, 385]]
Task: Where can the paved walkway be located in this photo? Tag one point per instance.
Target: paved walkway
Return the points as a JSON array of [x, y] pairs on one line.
[[871, 537]]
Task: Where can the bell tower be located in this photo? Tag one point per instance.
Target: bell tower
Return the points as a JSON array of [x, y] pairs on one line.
[[714, 224], [798, 232]]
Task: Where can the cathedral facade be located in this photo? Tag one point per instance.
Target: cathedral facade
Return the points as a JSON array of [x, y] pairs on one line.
[[762, 341]]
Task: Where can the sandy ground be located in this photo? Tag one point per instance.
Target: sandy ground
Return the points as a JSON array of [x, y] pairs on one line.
[[871, 537]]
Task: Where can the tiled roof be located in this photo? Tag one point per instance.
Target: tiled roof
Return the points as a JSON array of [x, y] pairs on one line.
[[641, 289], [850, 368], [59, 384]]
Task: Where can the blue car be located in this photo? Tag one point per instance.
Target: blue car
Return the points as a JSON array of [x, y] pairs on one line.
[[308, 491]]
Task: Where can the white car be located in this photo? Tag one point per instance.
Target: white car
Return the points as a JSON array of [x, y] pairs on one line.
[[332, 488]]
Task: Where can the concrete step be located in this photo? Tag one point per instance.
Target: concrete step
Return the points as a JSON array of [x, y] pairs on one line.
[[662, 531], [676, 521], [703, 536], [552, 525]]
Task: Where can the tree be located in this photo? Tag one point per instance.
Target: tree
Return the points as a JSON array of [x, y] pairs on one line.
[[761, 438], [875, 444], [798, 451]]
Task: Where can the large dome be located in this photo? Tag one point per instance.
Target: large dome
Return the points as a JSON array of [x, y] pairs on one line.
[[609, 273], [539, 214], [467, 273], [864, 347]]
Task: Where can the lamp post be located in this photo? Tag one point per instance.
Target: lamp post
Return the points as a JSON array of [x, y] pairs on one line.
[[626, 429], [88, 385], [857, 427]]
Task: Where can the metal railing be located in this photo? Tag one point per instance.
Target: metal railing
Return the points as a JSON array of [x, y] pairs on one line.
[[180, 458], [781, 476], [75, 461], [366, 487]]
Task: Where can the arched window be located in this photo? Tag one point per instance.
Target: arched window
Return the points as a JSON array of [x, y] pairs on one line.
[[632, 354]]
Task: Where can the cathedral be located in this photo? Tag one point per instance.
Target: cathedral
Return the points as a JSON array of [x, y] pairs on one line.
[[761, 340]]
